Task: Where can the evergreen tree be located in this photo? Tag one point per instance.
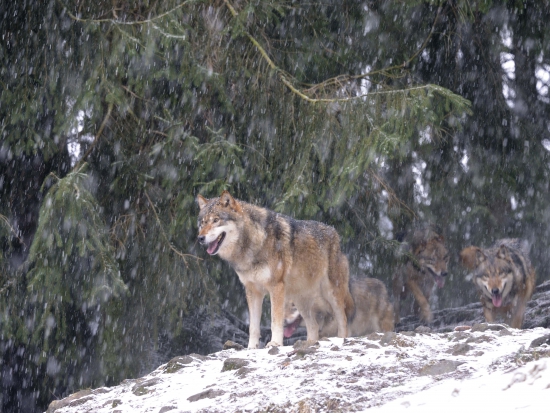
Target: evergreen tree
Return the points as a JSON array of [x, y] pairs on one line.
[[73, 279], [116, 114]]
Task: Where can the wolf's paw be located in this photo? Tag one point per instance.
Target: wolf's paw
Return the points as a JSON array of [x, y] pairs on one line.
[[272, 344]]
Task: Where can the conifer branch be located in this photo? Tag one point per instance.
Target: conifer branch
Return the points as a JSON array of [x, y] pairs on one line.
[[340, 79], [12, 229], [286, 77], [131, 23], [179, 253], [391, 193]]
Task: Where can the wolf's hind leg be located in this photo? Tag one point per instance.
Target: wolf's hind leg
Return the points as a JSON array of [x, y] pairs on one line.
[[311, 325], [387, 319], [339, 310], [339, 296]]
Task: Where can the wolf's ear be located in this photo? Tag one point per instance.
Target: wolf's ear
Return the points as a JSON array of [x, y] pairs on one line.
[[201, 201], [226, 200], [502, 252], [471, 257]]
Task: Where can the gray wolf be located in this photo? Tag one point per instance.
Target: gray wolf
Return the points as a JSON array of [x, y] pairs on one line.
[[425, 267], [274, 254], [373, 311], [505, 278]]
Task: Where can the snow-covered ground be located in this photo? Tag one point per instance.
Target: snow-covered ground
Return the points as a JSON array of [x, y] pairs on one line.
[[488, 366]]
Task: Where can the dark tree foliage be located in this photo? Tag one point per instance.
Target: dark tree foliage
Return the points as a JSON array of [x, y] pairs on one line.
[[367, 115]]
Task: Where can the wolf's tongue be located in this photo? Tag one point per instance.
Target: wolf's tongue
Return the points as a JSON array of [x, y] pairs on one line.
[[497, 300], [440, 281], [291, 328], [212, 247]]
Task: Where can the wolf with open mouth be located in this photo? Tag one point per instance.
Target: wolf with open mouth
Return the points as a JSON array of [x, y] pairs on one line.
[[425, 267], [504, 277], [274, 254]]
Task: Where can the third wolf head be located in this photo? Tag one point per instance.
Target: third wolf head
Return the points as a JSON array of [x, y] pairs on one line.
[[504, 276]]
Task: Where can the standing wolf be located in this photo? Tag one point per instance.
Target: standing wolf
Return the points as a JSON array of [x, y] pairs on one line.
[[505, 278], [426, 267], [272, 253], [373, 311]]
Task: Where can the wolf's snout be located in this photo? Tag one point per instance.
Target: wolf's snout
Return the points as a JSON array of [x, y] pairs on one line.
[[201, 239], [495, 291], [443, 273]]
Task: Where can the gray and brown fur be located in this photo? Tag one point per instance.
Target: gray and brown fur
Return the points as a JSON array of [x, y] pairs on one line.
[[426, 267], [505, 278], [277, 255], [373, 311]]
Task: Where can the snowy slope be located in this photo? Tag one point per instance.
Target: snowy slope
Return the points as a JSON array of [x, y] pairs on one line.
[[488, 366]]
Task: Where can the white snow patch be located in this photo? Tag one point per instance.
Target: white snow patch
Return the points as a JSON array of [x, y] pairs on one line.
[[497, 371]]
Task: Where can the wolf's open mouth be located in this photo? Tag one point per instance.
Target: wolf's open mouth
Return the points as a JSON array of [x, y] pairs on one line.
[[439, 279], [291, 328], [214, 246], [497, 299]]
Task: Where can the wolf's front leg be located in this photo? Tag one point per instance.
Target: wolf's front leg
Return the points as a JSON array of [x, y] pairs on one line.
[[254, 299], [421, 300], [518, 314], [488, 313], [398, 289], [277, 295]]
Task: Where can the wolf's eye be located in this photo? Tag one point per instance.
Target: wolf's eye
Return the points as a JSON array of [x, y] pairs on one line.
[[216, 220]]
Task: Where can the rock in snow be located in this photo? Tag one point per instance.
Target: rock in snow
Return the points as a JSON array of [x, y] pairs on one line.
[[488, 365]]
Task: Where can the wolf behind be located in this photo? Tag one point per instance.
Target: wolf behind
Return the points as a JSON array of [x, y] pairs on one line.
[[426, 267], [504, 277], [373, 311], [294, 260]]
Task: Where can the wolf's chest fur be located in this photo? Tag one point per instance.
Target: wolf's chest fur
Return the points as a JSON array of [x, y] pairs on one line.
[[259, 275]]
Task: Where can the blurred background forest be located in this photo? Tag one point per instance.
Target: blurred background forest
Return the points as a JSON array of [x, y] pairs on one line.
[[366, 115]]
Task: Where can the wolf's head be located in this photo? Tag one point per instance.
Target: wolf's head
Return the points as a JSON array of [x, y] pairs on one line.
[[216, 222], [493, 270], [428, 247]]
